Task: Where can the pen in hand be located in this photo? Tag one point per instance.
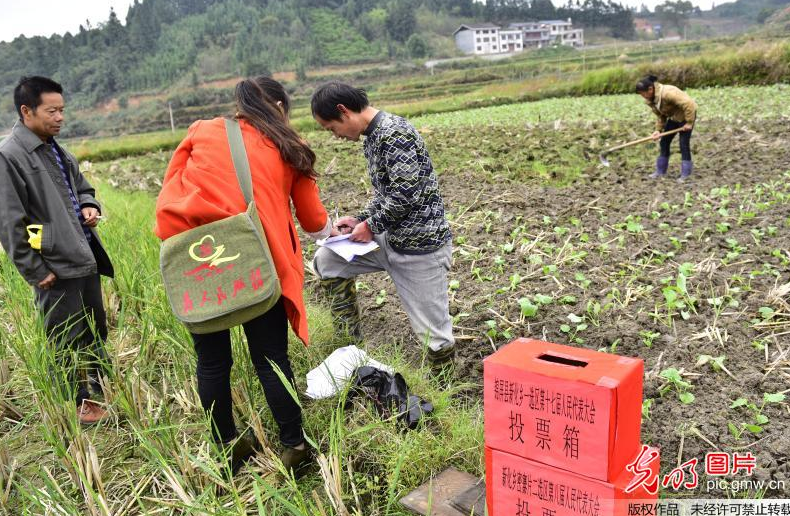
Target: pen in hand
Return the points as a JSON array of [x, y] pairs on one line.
[[344, 229]]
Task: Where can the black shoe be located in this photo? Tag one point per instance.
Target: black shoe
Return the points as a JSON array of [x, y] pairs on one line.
[[296, 460], [244, 447]]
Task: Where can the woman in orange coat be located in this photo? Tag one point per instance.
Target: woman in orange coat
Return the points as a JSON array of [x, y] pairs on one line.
[[200, 186]]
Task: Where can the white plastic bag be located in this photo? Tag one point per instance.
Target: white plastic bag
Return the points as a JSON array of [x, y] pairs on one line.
[[331, 375]]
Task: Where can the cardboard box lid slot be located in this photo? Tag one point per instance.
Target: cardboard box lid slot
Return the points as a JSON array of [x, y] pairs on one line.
[[556, 359]]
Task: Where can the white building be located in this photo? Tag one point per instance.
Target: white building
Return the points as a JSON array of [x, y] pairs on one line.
[[478, 39], [511, 40], [487, 38], [533, 34], [562, 33]]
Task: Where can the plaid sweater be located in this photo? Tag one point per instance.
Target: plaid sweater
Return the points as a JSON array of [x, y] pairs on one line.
[[406, 201]]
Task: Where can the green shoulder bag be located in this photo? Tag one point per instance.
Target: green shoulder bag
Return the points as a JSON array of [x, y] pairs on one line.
[[221, 274]]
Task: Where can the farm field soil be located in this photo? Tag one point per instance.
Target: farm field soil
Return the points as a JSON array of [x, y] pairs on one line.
[[603, 251], [548, 244]]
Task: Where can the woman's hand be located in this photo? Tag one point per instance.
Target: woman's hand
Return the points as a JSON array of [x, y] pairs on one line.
[[656, 135], [688, 127], [345, 225]]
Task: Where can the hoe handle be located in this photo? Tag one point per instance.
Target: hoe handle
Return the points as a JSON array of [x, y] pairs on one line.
[[642, 140]]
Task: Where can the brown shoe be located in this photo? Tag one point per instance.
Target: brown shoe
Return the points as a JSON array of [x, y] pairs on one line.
[[91, 412]]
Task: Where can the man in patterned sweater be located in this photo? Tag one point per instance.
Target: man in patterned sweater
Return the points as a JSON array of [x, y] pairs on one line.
[[405, 217]]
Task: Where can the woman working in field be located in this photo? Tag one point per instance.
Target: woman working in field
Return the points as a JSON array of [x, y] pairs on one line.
[[675, 110], [200, 186]]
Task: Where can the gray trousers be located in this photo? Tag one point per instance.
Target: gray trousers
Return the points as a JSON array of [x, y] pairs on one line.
[[420, 279], [75, 322]]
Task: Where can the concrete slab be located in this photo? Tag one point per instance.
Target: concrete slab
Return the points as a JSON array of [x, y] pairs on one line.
[[435, 496], [472, 502]]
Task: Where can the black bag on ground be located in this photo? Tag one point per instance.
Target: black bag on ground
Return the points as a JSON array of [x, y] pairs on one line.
[[390, 394]]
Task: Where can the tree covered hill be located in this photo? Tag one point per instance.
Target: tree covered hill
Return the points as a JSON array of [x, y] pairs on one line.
[[181, 42], [753, 10], [780, 20]]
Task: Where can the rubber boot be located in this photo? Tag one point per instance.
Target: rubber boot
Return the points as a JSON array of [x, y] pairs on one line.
[[662, 163], [686, 168], [342, 294]]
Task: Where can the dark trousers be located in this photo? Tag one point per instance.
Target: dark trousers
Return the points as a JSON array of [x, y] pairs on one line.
[[76, 325], [685, 140], [267, 338]]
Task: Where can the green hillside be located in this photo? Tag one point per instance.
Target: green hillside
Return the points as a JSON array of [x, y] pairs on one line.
[[753, 10], [779, 21], [170, 43]]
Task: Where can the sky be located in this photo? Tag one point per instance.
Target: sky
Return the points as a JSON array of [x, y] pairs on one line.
[[46, 17], [705, 5]]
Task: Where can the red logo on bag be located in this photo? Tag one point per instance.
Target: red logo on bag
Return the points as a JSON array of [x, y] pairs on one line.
[[210, 257], [219, 296]]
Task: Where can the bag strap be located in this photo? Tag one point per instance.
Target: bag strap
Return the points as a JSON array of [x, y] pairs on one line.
[[239, 155]]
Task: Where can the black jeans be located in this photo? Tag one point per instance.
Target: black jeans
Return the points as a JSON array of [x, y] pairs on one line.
[[76, 323], [267, 338], [685, 140]]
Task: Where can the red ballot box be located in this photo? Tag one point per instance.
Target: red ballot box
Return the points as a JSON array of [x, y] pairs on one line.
[[518, 487], [564, 406]]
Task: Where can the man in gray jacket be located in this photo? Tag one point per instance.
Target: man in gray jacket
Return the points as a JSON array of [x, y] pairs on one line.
[[41, 187]]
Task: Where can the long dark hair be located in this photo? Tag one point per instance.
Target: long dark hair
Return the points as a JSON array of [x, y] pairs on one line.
[[256, 102], [645, 83]]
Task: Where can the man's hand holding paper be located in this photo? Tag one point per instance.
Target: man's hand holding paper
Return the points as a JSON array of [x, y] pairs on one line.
[[344, 246]]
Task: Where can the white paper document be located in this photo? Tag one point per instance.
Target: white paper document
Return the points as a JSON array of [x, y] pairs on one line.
[[331, 375], [346, 248]]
